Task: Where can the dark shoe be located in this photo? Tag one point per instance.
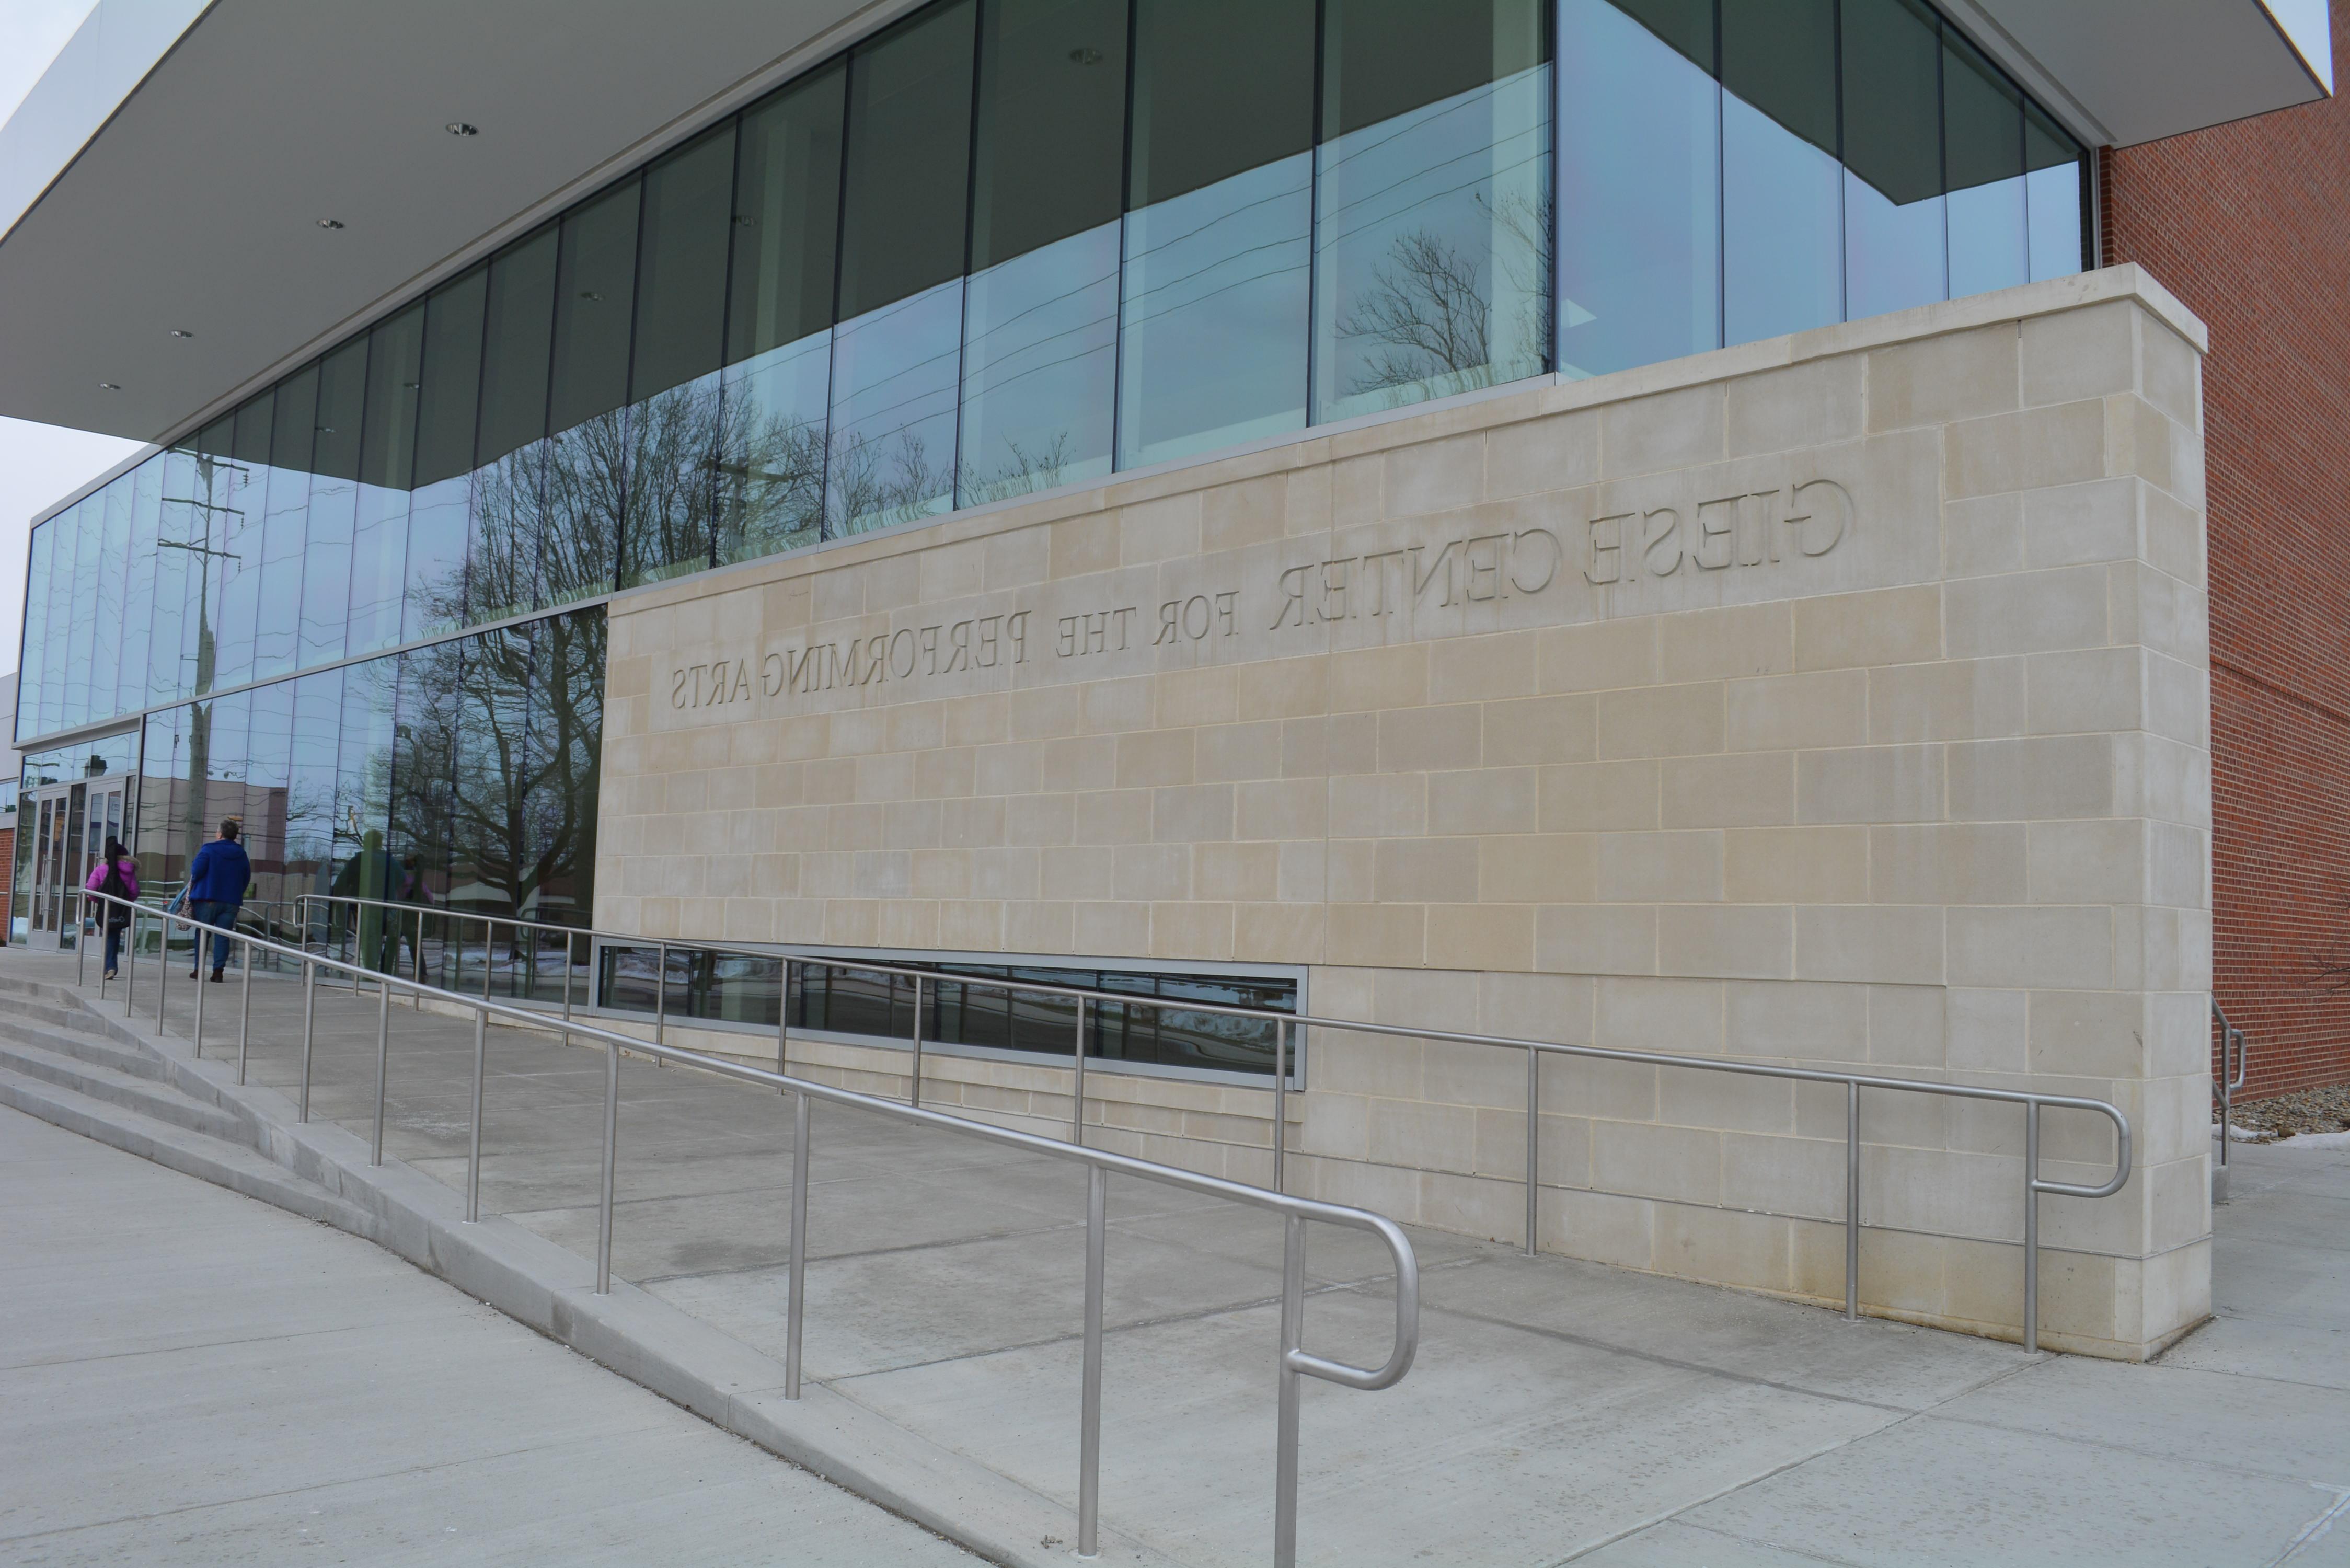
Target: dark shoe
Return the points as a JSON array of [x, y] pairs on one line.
[[110, 975], [216, 977], [191, 974]]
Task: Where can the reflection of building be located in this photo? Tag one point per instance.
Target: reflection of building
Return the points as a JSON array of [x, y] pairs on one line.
[[1623, 519]]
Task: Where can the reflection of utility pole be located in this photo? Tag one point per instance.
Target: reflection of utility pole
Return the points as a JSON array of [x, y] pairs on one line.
[[200, 714]]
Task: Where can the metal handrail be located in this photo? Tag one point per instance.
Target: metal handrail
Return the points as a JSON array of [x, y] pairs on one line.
[[1294, 1363], [2225, 1083], [1287, 1023]]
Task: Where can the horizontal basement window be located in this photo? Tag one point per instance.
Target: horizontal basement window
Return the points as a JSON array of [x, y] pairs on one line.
[[832, 997]]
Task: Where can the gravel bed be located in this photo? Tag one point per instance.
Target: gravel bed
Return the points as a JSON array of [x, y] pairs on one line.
[[2309, 1111]]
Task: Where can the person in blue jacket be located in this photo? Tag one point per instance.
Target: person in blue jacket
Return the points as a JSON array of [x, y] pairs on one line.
[[215, 890]]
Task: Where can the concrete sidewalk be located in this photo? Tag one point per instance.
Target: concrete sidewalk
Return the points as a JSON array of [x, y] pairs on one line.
[[1558, 1410], [190, 1376]]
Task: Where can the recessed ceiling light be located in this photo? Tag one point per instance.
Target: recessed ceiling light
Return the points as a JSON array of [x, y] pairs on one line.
[[459, 128], [109, 386], [1086, 57], [182, 332], [591, 295], [331, 223]]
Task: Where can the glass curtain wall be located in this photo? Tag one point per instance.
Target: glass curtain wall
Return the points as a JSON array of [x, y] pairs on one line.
[[1008, 245], [1800, 163]]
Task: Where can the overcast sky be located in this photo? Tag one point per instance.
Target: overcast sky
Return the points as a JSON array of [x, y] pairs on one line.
[[39, 463]]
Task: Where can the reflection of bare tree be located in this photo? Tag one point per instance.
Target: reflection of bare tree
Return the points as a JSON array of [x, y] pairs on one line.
[[494, 774], [1430, 321], [879, 481], [771, 473], [1023, 473]]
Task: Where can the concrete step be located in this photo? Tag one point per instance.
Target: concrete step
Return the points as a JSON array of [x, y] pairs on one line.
[[235, 1166], [132, 1092], [79, 1037]]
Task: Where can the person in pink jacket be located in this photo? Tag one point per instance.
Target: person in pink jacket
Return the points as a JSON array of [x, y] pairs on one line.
[[116, 874]]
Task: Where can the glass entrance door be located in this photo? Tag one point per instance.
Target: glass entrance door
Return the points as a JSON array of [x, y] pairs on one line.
[[71, 823]]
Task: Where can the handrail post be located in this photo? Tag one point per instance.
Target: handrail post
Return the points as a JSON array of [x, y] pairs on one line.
[[199, 972], [661, 995], [81, 938], [1078, 1114], [131, 963], [1534, 1145], [473, 1146], [794, 1307], [916, 1098], [1280, 1102], [489, 954], [1852, 1202], [309, 1015], [2032, 1225], [1293, 1335], [567, 977], [383, 1060], [611, 1150], [245, 1012], [163, 969], [1089, 1417]]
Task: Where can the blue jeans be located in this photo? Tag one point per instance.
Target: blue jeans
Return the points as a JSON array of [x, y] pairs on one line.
[[114, 943], [216, 912]]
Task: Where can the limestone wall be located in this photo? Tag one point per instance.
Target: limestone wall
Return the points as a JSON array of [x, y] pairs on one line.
[[1839, 699]]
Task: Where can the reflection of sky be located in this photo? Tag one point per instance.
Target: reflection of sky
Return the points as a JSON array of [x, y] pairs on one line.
[[893, 408], [1987, 248], [1458, 173], [1894, 255], [1214, 314], [1639, 237], [775, 409], [1040, 363], [2053, 199], [1782, 239]]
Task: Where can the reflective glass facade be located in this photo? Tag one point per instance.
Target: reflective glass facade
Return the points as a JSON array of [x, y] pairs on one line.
[[460, 774], [1008, 245]]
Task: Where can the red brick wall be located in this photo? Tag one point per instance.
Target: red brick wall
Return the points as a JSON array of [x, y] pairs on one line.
[[2250, 225]]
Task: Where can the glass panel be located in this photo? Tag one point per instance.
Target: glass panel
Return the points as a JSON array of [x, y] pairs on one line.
[[240, 534], [386, 469], [90, 545], [2055, 193], [891, 453], [1782, 244], [594, 294], [33, 661], [227, 734], [1983, 120], [585, 485], [1639, 240], [681, 264], [897, 352], [1040, 369], [58, 672], [771, 463], [519, 337], [909, 159], [217, 493], [266, 798], [1040, 328], [179, 535], [139, 603], [334, 504], [113, 580], [502, 573], [277, 615], [1434, 203], [1895, 249], [673, 456], [311, 782], [434, 597], [786, 215], [568, 731], [1217, 243], [424, 752], [363, 797]]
